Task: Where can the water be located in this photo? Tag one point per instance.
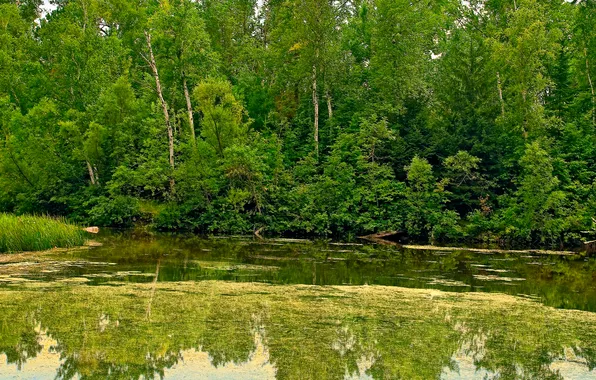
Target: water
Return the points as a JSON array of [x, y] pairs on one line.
[[158, 306]]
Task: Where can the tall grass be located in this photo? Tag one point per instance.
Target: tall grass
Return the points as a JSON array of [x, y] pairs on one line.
[[37, 233]]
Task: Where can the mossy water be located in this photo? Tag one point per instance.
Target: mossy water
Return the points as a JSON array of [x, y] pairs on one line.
[[179, 307]]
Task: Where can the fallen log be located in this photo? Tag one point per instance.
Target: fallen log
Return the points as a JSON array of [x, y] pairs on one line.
[[258, 233], [381, 235], [489, 250], [385, 237]]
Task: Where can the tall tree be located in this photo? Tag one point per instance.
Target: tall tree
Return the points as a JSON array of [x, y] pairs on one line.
[[309, 49], [525, 48]]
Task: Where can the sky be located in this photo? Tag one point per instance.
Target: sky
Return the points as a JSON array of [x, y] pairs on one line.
[[47, 8]]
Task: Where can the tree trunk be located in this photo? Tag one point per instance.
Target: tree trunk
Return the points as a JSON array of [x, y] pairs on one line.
[[315, 101], [164, 106], [95, 173], [329, 112], [16, 98], [329, 105], [91, 173], [500, 88], [191, 121], [591, 88]]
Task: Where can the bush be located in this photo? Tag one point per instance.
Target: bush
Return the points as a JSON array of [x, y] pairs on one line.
[[120, 211], [175, 217]]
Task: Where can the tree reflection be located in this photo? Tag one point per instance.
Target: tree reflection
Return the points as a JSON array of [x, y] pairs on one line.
[[305, 332]]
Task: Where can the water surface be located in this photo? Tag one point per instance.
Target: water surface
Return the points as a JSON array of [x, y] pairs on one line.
[[159, 306]]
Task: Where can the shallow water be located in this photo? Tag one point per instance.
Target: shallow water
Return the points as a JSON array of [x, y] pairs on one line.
[[158, 306]]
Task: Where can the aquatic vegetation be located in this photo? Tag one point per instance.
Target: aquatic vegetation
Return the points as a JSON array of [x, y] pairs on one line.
[[37, 233], [303, 332], [166, 307], [558, 281]]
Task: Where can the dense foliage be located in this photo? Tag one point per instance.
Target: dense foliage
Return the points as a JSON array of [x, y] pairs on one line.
[[34, 233], [448, 120]]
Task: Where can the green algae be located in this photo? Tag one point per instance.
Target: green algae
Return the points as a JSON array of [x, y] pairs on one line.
[[308, 332], [171, 308]]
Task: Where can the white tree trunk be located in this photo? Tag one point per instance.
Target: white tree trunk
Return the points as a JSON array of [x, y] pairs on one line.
[[329, 105], [191, 121], [164, 106], [500, 88], [591, 88], [315, 101], [95, 173], [91, 173]]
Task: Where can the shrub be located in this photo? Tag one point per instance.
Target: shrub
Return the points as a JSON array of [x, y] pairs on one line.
[[120, 211]]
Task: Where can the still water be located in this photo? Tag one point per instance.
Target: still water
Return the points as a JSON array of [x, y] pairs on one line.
[[145, 306]]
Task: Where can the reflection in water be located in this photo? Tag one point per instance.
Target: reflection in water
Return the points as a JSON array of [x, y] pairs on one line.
[[561, 281], [46, 363], [42, 363], [572, 370], [166, 307], [259, 331], [198, 362], [570, 367]]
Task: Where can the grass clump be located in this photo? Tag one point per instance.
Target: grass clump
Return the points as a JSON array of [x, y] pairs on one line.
[[37, 233]]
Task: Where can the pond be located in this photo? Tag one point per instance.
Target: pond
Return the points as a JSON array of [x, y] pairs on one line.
[[170, 306]]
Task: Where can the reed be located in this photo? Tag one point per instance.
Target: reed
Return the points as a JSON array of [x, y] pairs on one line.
[[37, 233]]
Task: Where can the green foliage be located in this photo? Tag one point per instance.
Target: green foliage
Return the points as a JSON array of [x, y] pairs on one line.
[[540, 209], [221, 114], [447, 120], [119, 211], [426, 214], [37, 233]]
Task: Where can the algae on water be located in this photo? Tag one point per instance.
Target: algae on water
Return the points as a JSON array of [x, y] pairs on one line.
[[153, 307], [296, 332]]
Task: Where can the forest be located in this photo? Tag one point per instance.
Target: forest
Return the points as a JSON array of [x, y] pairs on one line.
[[448, 120]]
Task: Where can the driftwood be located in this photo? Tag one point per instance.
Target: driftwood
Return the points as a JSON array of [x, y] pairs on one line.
[[382, 235], [258, 233], [386, 237], [389, 237], [488, 250]]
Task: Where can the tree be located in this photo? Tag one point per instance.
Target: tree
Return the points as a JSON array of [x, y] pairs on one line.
[[526, 47], [222, 115], [182, 46], [326, 117], [164, 105], [309, 49], [426, 199], [585, 43]]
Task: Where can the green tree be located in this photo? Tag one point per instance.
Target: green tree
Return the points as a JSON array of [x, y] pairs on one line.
[[222, 115], [426, 198]]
